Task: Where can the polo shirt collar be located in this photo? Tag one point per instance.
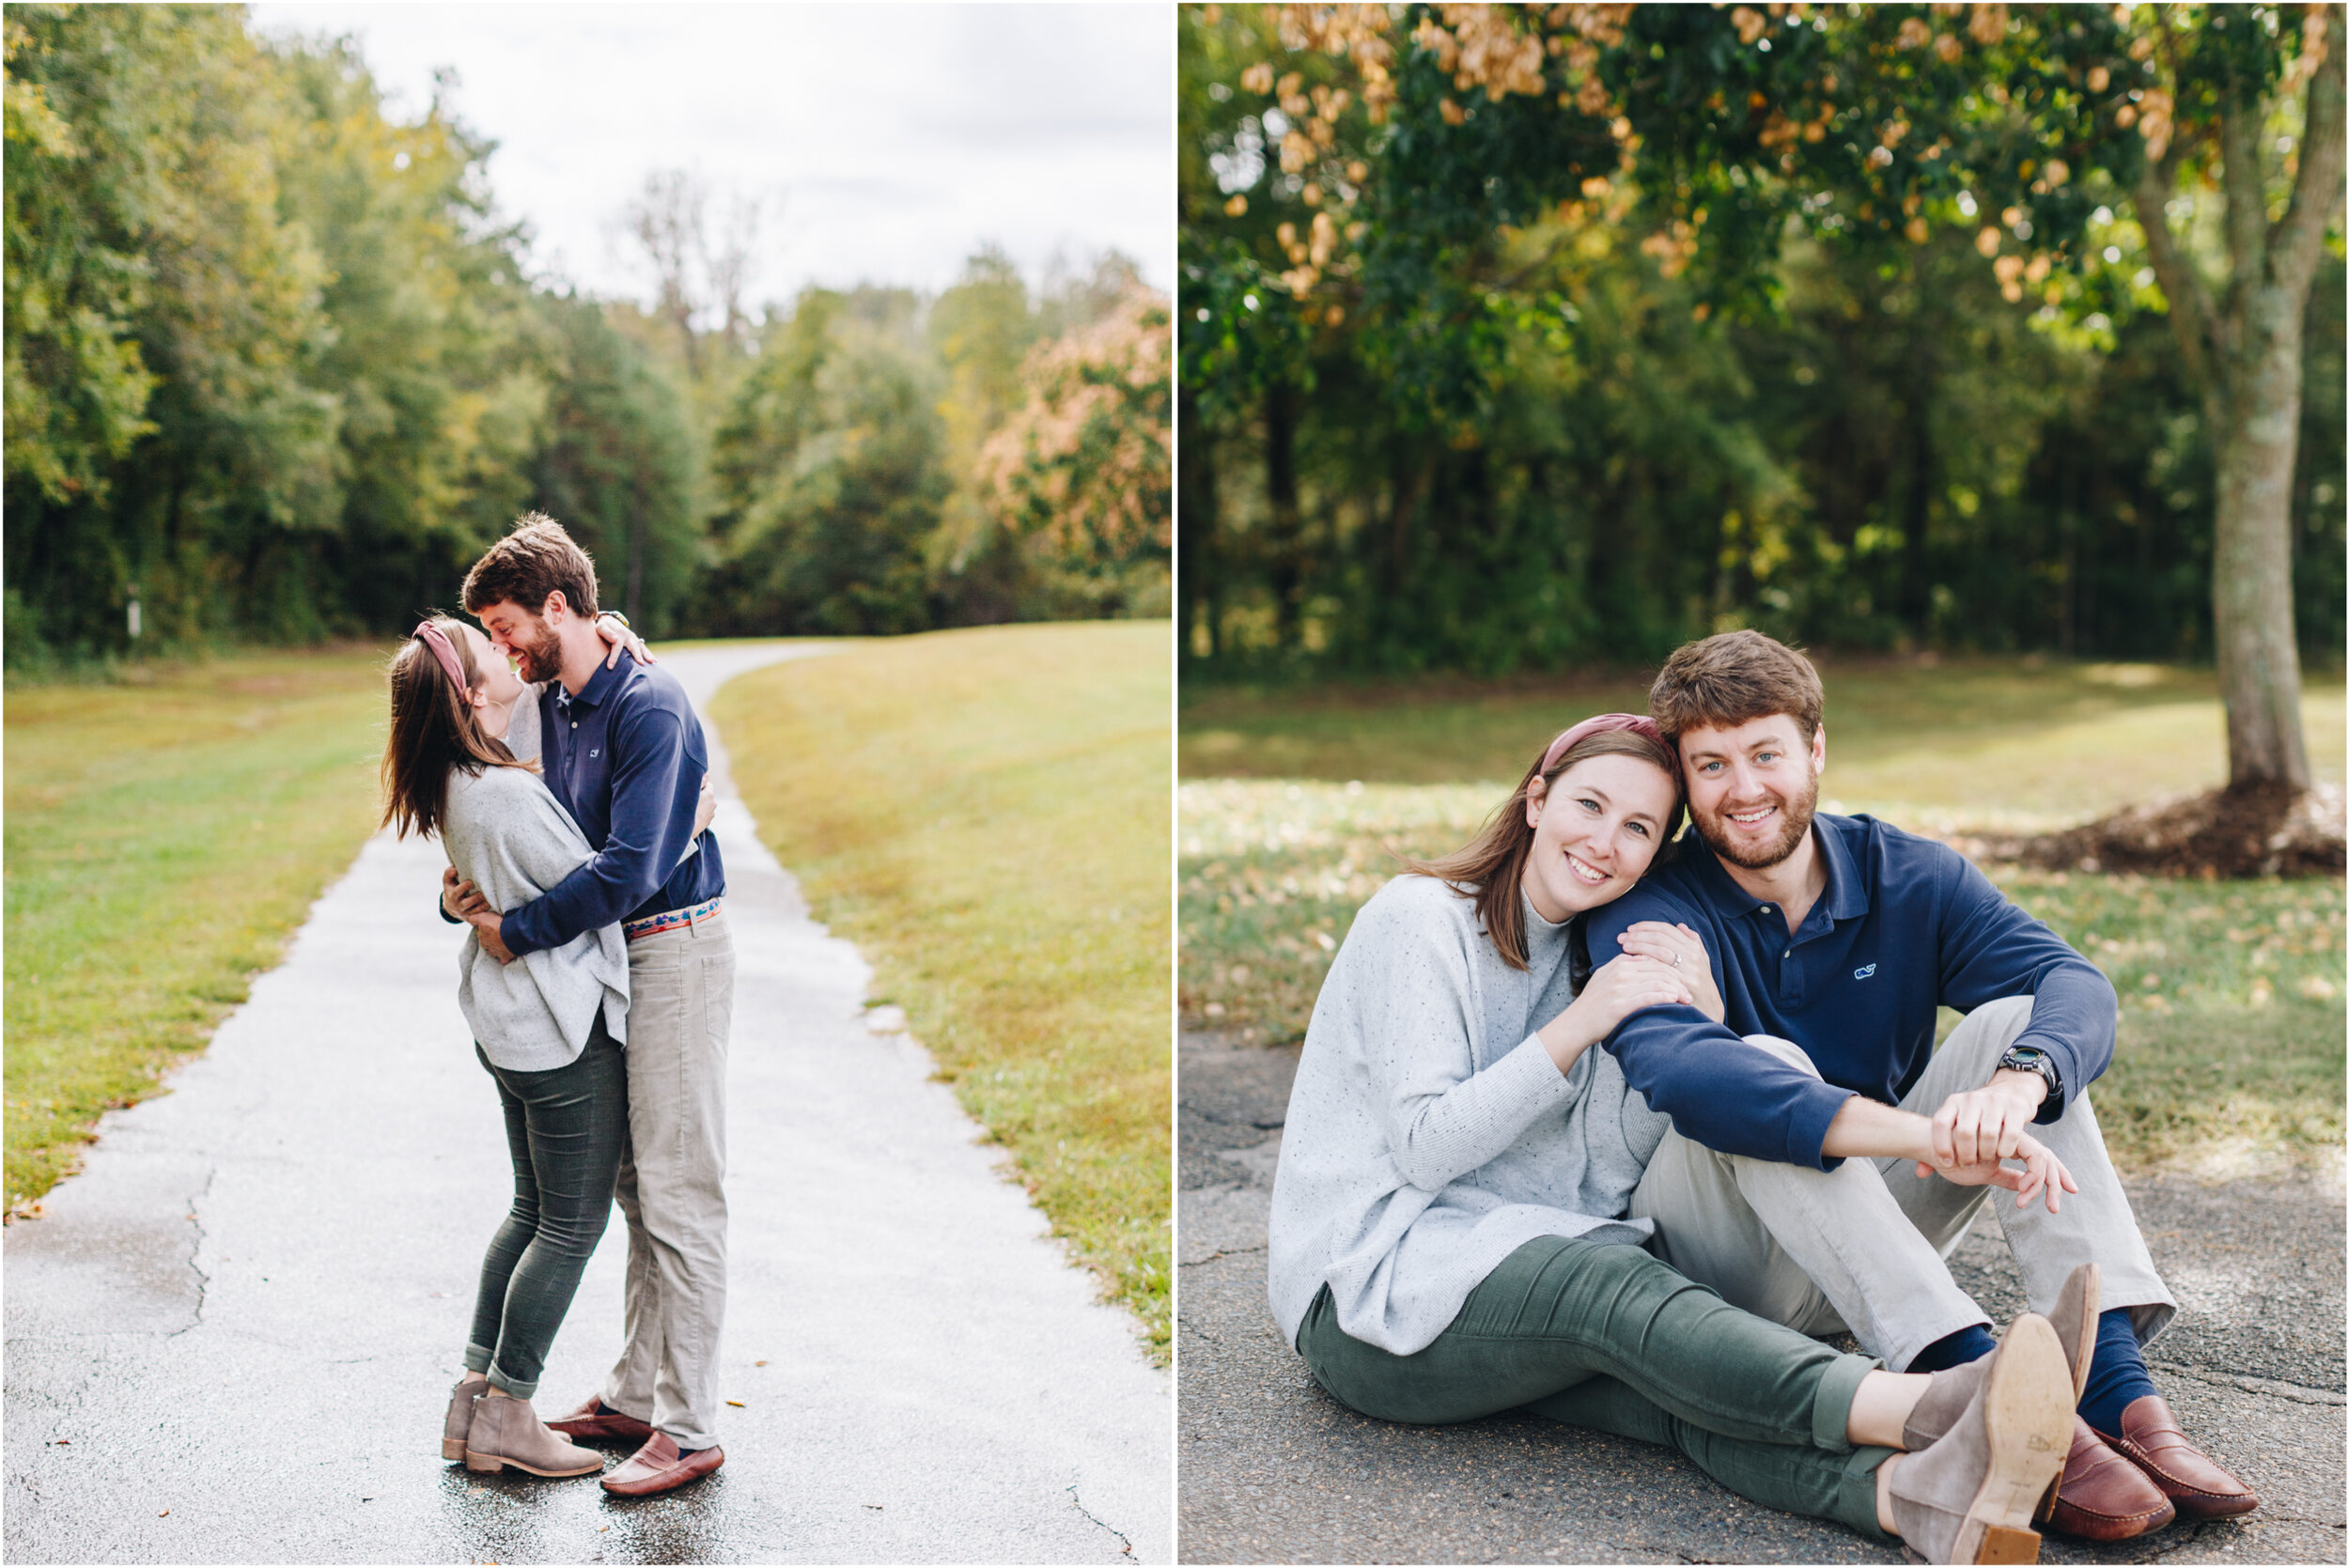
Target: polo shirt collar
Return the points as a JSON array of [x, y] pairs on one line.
[[598, 688], [1846, 894]]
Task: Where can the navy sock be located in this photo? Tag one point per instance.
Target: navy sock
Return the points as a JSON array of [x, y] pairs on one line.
[[2116, 1375], [1954, 1350]]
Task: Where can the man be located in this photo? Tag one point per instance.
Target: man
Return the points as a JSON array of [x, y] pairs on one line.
[[624, 755], [1833, 940]]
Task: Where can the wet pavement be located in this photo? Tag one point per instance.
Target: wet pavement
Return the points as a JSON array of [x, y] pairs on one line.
[[231, 1337], [1272, 1471]]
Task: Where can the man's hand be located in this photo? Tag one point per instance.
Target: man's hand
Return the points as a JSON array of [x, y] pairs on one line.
[[1985, 1123], [462, 900], [2041, 1173], [488, 925]]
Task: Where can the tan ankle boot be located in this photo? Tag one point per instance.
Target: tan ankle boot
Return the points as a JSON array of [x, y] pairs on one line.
[[1970, 1497], [462, 1398], [2074, 1318], [506, 1431]]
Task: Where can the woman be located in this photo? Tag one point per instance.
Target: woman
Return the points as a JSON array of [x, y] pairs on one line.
[[1448, 1236], [549, 1029]]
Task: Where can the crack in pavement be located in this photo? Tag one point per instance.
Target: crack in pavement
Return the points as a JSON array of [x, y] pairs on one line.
[[195, 1250], [1225, 1252], [1123, 1545], [2251, 1385]]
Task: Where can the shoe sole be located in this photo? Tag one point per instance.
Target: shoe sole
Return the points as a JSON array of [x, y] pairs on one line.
[[2026, 1420], [490, 1463], [452, 1448], [2086, 1350]]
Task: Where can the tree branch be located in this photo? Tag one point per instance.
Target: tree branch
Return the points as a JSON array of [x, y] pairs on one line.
[[2298, 236], [2191, 311]]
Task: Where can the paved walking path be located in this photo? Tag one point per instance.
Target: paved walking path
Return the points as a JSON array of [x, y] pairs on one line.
[[1273, 1470], [231, 1338]]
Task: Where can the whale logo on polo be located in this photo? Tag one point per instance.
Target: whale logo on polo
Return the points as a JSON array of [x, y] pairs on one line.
[[1863, 973]]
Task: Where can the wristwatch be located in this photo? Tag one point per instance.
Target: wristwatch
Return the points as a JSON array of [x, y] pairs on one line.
[[2030, 1059]]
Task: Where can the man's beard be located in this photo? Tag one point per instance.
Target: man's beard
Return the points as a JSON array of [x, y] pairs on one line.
[[1712, 828], [541, 658]]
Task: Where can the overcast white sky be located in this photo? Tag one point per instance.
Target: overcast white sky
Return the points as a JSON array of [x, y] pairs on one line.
[[887, 142]]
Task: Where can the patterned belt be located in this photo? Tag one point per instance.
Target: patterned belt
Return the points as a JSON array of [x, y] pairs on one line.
[[669, 920]]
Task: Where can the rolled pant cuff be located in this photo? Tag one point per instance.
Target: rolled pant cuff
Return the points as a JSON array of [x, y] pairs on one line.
[[1897, 1358], [2148, 1316], [691, 1437], [478, 1358], [1830, 1403], [519, 1391], [1856, 1493]]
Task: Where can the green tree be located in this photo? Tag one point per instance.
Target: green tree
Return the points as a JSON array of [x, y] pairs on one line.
[[161, 312], [617, 464], [981, 330], [827, 476], [1872, 126]]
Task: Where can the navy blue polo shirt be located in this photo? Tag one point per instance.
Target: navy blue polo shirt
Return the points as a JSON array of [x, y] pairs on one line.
[[1904, 926], [626, 757]]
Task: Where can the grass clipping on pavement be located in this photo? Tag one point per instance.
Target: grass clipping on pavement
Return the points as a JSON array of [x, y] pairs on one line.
[[985, 814], [166, 832]]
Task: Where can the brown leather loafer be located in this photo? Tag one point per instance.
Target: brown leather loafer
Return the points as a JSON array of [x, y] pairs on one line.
[[660, 1466], [2152, 1439], [2103, 1497], [592, 1423]]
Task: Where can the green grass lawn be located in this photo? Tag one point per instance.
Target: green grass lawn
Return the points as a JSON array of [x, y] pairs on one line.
[[2233, 1013], [166, 832], [985, 814], [2063, 742]]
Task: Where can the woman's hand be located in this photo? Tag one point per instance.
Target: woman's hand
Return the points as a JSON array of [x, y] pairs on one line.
[[1617, 988], [459, 898], [706, 811], [2041, 1173], [616, 632], [1683, 949]]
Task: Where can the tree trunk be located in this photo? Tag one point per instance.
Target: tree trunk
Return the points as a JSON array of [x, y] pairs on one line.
[[2243, 349], [1284, 565], [2255, 430], [1195, 535]]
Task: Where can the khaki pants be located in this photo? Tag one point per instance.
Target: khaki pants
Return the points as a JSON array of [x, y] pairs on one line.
[[672, 1184], [1862, 1246]]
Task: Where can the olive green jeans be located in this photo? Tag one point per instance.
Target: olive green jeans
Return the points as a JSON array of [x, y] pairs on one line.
[[1605, 1336]]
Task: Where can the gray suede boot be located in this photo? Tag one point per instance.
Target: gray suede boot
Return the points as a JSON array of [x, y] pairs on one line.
[[469, 1389], [1970, 1497], [2073, 1319], [506, 1431]]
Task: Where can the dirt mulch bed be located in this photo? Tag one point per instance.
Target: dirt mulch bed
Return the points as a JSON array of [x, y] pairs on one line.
[[2259, 830]]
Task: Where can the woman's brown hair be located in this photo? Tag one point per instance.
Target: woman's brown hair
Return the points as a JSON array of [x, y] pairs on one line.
[[1490, 866], [434, 728]]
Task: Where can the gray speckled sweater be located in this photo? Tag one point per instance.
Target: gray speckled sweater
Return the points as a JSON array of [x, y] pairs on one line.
[[1429, 1134], [513, 840]]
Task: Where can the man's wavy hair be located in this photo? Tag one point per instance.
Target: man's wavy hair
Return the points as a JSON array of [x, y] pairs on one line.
[[1734, 678], [537, 559]]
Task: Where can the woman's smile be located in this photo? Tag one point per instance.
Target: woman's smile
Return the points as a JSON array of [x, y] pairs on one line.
[[1585, 872]]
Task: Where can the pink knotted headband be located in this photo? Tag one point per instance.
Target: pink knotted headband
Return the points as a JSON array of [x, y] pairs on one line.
[[1597, 724], [437, 640]]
